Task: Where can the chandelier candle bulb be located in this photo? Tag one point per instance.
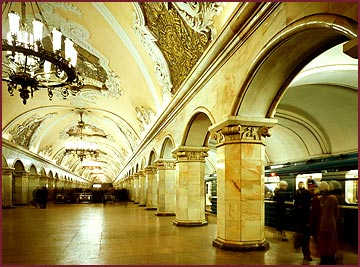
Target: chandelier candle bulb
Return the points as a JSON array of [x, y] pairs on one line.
[[56, 40], [68, 48], [14, 23], [47, 69], [37, 30], [32, 63]]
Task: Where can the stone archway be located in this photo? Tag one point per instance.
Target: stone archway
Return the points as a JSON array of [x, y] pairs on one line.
[[19, 184], [294, 47]]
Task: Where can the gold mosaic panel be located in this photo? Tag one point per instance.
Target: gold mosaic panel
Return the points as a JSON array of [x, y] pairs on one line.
[[181, 46]]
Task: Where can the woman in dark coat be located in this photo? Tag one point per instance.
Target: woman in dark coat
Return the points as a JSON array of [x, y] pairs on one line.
[[327, 233]]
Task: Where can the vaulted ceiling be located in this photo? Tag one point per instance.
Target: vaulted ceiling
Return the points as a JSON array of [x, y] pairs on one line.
[[128, 81]]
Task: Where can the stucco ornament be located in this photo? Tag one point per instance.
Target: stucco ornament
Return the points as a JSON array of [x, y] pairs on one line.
[[200, 15], [145, 116], [148, 41]]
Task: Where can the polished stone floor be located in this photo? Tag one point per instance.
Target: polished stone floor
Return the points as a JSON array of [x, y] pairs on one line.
[[126, 234]]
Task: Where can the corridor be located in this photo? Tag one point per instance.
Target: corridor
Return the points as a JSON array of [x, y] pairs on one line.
[[124, 233]]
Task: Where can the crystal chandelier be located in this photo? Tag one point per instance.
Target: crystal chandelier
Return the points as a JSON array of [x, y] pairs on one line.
[[80, 145], [27, 65]]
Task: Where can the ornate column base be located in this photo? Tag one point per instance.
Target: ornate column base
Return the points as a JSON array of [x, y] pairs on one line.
[[150, 208], [159, 213], [264, 245], [190, 223]]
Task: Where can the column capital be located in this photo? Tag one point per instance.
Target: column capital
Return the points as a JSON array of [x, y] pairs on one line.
[[141, 173], [188, 153], [150, 169], [7, 171], [235, 129], [165, 164]]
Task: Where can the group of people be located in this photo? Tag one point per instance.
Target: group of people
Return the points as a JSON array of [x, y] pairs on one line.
[[40, 196], [317, 214]]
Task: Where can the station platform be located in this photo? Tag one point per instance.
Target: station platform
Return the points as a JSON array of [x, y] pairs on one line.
[[122, 233]]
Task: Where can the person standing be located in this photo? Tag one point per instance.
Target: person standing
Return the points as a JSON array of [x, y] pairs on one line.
[[280, 197], [302, 203], [315, 212], [35, 196], [327, 234], [43, 196]]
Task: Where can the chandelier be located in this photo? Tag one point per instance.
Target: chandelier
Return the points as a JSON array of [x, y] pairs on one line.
[[27, 65], [80, 144]]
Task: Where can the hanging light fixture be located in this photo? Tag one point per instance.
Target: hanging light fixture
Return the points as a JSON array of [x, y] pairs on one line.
[[27, 65], [80, 145]]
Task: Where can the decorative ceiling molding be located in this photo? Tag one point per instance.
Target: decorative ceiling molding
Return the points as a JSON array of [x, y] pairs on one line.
[[200, 15], [148, 41], [93, 63], [115, 25], [181, 46], [145, 117], [22, 134]]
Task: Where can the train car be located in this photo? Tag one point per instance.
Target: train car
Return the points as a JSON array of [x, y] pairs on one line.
[[343, 169]]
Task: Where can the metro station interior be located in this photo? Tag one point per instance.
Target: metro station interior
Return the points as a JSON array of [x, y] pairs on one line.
[[161, 130]]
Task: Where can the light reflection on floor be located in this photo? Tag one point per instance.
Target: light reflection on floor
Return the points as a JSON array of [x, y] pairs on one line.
[[124, 233]]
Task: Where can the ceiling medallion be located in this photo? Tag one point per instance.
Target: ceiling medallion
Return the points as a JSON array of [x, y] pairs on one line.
[[27, 64]]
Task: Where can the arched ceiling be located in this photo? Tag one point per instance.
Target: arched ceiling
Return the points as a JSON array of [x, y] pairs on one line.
[[318, 114], [127, 86], [127, 81]]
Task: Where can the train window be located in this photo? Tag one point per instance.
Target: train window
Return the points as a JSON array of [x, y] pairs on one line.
[[304, 177], [270, 184], [351, 187]]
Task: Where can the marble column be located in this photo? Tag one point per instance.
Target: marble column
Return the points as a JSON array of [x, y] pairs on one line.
[[151, 200], [190, 188], [131, 189], [136, 189], [240, 183], [20, 196], [142, 188], [33, 183], [6, 186], [166, 192]]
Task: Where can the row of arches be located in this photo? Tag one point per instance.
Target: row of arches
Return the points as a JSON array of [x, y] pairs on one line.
[[237, 141], [18, 182], [167, 171]]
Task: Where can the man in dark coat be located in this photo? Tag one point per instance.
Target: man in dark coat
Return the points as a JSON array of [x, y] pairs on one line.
[[280, 197]]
